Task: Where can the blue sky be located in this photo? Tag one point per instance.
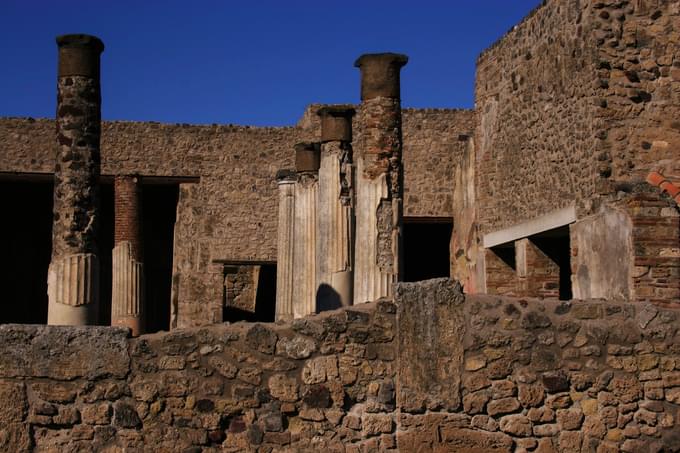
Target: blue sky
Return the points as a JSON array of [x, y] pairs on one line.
[[257, 62]]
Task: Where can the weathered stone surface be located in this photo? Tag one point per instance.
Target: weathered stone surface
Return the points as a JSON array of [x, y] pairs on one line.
[[457, 439], [64, 353], [431, 331], [517, 425]]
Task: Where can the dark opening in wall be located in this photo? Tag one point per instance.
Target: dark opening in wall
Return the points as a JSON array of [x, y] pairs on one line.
[[556, 245], [249, 292], [159, 212], [25, 248], [426, 248], [105, 248]]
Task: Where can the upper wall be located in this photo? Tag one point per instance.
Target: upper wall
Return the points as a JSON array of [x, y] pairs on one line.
[[537, 117], [577, 96]]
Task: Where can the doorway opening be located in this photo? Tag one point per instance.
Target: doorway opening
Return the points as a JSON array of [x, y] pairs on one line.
[[26, 246], [426, 248], [159, 213]]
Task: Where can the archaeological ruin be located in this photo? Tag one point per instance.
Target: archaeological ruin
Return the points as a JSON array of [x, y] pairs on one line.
[[374, 278]]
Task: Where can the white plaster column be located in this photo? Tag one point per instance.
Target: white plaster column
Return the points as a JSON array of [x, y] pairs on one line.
[[284, 262], [304, 235], [335, 224], [379, 178]]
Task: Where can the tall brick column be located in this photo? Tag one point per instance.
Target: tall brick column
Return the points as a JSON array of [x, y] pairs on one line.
[[285, 245], [335, 223], [304, 234], [73, 274], [379, 178], [127, 284]]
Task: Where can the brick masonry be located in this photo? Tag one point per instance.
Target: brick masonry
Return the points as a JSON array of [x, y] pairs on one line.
[[127, 209], [435, 370]]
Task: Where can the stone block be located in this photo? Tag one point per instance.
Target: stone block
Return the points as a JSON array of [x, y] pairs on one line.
[[431, 328], [64, 353]]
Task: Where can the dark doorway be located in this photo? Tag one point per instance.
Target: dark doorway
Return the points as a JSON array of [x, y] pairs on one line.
[[159, 211], [26, 247], [556, 245], [426, 249], [104, 250], [261, 287]]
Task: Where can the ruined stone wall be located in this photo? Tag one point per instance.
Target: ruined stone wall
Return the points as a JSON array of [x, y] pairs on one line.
[[321, 382], [575, 97], [484, 373], [434, 371]]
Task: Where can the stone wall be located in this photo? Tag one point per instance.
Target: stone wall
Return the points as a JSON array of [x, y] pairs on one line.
[[491, 374], [434, 371], [321, 382], [575, 97]]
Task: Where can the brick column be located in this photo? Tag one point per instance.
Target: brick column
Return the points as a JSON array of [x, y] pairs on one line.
[[284, 261], [127, 285], [304, 233], [379, 178], [74, 270], [335, 224]]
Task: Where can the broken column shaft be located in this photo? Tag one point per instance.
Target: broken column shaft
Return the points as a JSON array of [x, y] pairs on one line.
[[74, 270], [304, 235], [379, 178], [127, 285], [335, 223], [284, 261]]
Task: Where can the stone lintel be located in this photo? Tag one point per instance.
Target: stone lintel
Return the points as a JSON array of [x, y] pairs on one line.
[[380, 74], [79, 55], [307, 157], [552, 220], [336, 122]]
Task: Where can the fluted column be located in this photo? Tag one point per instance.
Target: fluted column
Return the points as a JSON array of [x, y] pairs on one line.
[[127, 285], [284, 261], [335, 223], [379, 178], [73, 276], [304, 235]]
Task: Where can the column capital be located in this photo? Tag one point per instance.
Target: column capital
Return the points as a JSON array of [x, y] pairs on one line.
[[307, 157], [380, 74], [79, 55], [336, 122]]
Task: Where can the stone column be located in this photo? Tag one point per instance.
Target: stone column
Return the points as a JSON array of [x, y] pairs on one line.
[[127, 285], [304, 235], [335, 223], [284, 261], [73, 275], [379, 178]]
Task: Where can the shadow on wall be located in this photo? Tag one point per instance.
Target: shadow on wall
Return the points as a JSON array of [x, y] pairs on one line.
[[327, 298]]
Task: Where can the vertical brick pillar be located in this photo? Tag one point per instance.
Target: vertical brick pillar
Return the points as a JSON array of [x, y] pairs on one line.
[[304, 229], [74, 270], [284, 261], [379, 178], [335, 223], [127, 285]]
